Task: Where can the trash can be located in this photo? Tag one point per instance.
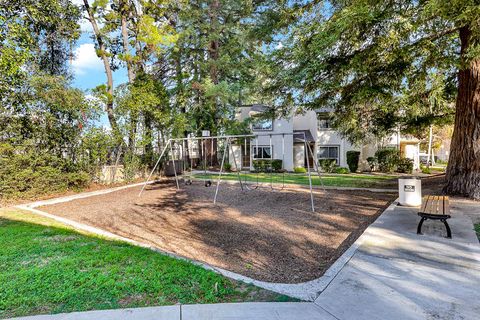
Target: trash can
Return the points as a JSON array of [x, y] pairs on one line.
[[410, 191]]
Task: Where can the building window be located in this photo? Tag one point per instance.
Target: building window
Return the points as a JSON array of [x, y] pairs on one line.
[[324, 122], [262, 152], [263, 125], [329, 152]]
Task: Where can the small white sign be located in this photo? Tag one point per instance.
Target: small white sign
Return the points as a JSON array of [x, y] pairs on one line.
[[205, 133]]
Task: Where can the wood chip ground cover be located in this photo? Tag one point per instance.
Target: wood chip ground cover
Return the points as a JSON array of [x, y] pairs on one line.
[[266, 235]]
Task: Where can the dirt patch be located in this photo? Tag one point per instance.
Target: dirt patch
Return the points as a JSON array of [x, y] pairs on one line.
[[267, 235]]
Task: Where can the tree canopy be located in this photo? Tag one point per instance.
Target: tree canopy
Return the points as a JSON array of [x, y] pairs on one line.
[[383, 65], [376, 66]]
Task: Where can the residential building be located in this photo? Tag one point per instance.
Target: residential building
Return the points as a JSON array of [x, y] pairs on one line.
[[286, 139]]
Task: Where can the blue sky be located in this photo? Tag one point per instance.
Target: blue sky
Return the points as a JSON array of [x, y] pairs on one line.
[[88, 69], [86, 66]]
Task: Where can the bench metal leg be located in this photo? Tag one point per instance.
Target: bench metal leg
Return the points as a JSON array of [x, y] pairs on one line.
[[419, 228], [449, 232]]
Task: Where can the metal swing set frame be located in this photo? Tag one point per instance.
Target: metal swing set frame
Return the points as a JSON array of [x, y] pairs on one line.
[[169, 148]]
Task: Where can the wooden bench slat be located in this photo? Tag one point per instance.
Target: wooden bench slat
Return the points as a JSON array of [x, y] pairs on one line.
[[437, 205], [432, 204], [424, 204], [447, 205]]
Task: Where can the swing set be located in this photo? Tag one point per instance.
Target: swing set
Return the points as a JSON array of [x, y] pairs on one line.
[[188, 149]]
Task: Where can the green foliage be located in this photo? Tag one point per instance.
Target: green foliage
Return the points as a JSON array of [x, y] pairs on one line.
[[27, 173], [227, 166], [387, 159], [425, 169], [393, 63], [327, 165], [353, 158], [91, 273], [277, 165], [405, 165], [342, 170], [95, 149], [262, 165], [372, 163], [299, 170]]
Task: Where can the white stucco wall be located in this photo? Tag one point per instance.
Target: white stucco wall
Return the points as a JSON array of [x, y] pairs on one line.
[[280, 126], [329, 137], [235, 151], [298, 155], [307, 121]]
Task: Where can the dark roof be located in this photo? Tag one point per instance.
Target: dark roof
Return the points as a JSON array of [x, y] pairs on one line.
[[299, 134]]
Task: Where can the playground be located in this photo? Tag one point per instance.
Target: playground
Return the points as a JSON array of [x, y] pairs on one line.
[[267, 235]]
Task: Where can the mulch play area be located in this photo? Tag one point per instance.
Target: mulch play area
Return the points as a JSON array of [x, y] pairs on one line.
[[266, 235]]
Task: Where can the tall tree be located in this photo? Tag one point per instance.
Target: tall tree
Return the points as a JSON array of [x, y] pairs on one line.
[[358, 57], [104, 55]]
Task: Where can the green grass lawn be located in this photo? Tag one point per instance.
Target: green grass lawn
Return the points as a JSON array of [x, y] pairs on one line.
[[338, 180], [46, 267]]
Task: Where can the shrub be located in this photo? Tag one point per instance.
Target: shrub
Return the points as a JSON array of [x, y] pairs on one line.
[[78, 180], [28, 173], [227, 166], [342, 170], [372, 163], [276, 165], [327, 165], [405, 165], [352, 160], [425, 169], [262, 165], [257, 165], [300, 170], [387, 159]]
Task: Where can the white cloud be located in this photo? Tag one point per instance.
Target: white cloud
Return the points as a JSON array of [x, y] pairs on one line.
[[86, 59], [85, 26]]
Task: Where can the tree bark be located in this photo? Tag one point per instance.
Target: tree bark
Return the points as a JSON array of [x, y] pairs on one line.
[[130, 72], [213, 50], [463, 171], [108, 71], [126, 47]]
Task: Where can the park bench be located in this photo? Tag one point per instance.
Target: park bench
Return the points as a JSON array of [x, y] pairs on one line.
[[435, 208]]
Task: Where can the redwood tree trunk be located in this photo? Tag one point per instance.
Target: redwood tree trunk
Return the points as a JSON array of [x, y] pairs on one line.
[[463, 171]]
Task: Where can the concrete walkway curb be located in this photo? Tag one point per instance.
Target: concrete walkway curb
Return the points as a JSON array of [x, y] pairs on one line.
[[221, 311]]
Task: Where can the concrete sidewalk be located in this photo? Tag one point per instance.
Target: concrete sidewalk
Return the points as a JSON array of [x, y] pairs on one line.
[[397, 274], [222, 311], [393, 274]]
